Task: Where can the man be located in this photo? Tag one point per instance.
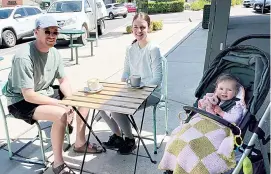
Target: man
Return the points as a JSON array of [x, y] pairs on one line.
[[31, 95]]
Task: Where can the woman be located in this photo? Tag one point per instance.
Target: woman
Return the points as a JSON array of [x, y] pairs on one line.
[[143, 58]]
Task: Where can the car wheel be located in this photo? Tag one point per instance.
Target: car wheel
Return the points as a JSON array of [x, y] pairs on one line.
[[124, 16], [111, 15], [9, 38], [83, 38], [101, 28]]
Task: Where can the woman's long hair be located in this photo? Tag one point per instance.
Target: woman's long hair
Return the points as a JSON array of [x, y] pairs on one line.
[[143, 16]]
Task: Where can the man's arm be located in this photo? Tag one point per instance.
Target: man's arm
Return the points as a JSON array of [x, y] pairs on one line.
[[33, 97], [65, 86]]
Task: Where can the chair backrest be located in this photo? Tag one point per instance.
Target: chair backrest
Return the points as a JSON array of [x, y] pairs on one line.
[[164, 85]]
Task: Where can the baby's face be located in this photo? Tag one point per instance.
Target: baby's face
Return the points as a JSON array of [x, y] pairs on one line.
[[226, 90]]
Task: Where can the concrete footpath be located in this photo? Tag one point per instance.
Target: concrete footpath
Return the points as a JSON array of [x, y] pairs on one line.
[[183, 43]]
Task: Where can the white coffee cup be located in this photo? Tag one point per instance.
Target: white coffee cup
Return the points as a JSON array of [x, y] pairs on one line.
[[93, 84]]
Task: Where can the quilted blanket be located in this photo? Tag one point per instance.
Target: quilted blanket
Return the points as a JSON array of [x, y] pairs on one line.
[[201, 146]]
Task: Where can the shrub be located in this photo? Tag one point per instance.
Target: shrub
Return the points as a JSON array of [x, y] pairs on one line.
[[187, 6], [129, 29], [157, 25], [154, 26], [199, 5], [233, 2], [165, 6]]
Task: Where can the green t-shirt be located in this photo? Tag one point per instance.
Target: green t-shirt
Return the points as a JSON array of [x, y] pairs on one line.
[[33, 69]]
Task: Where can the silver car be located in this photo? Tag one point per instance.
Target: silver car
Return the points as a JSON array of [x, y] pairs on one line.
[[248, 3]]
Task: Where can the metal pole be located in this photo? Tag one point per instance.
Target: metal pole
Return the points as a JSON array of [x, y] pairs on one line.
[[252, 141], [264, 2], [96, 22]]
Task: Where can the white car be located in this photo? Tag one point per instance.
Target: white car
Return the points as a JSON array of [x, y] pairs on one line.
[[16, 23], [116, 9], [79, 15], [248, 3]]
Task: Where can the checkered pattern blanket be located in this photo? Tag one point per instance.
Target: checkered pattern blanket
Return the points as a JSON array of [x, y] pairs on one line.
[[201, 146]]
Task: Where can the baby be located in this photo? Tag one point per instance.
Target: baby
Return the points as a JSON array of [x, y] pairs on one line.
[[227, 88]]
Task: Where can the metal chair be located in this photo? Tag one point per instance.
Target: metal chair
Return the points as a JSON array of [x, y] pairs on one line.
[[14, 155], [162, 105]]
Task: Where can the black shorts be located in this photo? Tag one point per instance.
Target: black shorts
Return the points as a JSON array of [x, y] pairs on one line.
[[25, 110]]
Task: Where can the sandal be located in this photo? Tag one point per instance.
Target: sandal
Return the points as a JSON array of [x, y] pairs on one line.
[[60, 168], [92, 148]]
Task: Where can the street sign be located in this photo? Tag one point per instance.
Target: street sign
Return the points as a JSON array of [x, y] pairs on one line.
[[11, 3]]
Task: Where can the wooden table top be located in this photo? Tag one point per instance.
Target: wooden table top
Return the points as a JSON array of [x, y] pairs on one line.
[[114, 97]]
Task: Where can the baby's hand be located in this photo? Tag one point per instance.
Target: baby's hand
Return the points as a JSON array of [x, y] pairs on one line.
[[218, 110]]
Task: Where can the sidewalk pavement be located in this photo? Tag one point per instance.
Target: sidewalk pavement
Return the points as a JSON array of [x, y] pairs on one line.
[[182, 43]]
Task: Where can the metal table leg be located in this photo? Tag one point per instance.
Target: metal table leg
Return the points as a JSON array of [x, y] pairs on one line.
[[90, 131], [132, 121], [71, 43], [91, 44]]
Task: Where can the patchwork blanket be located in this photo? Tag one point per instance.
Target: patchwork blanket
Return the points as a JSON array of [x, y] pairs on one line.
[[201, 146]]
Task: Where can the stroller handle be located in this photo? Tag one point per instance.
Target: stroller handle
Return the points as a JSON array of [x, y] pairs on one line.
[[252, 36], [235, 130]]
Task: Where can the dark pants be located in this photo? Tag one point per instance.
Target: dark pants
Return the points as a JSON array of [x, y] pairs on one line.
[[24, 110]]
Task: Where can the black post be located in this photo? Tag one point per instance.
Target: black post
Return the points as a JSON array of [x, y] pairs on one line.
[[264, 2]]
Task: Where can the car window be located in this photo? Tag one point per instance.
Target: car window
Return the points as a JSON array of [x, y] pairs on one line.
[[21, 12], [37, 10], [118, 5], [5, 13], [107, 6], [65, 7], [86, 5], [30, 11]]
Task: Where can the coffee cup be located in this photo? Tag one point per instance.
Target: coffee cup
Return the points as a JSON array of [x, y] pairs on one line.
[[93, 84], [134, 80]]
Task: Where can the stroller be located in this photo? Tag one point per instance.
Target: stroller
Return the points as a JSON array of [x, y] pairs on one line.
[[252, 66]]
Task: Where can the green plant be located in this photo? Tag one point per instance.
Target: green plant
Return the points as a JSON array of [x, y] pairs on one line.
[[157, 25], [154, 26], [198, 5], [187, 6], [233, 2], [165, 6], [129, 29]]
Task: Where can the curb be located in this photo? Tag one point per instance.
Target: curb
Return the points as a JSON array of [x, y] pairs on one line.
[[182, 40]]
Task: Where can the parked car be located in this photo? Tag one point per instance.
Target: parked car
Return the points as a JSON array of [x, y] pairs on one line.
[[131, 7], [257, 6], [16, 23], [248, 3], [78, 14], [116, 9]]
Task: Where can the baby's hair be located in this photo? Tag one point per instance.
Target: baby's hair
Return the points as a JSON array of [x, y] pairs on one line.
[[143, 16], [225, 77]]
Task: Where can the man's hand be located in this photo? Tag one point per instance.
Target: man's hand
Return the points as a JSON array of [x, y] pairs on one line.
[[218, 111], [70, 113]]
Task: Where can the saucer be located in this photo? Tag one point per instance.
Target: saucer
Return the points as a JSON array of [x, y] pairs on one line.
[[138, 87], [87, 90]]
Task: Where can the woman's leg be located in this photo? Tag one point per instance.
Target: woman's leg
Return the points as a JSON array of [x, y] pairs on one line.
[[115, 140], [111, 123]]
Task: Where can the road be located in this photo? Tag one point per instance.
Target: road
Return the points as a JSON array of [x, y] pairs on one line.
[[119, 22]]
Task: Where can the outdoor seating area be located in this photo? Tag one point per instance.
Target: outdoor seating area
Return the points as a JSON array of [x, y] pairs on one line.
[[176, 133]]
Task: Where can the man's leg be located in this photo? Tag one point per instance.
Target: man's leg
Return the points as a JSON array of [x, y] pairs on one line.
[[80, 141], [58, 116]]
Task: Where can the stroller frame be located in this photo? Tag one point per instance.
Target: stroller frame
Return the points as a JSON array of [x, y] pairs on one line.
[[252, 142], [257, 130]]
